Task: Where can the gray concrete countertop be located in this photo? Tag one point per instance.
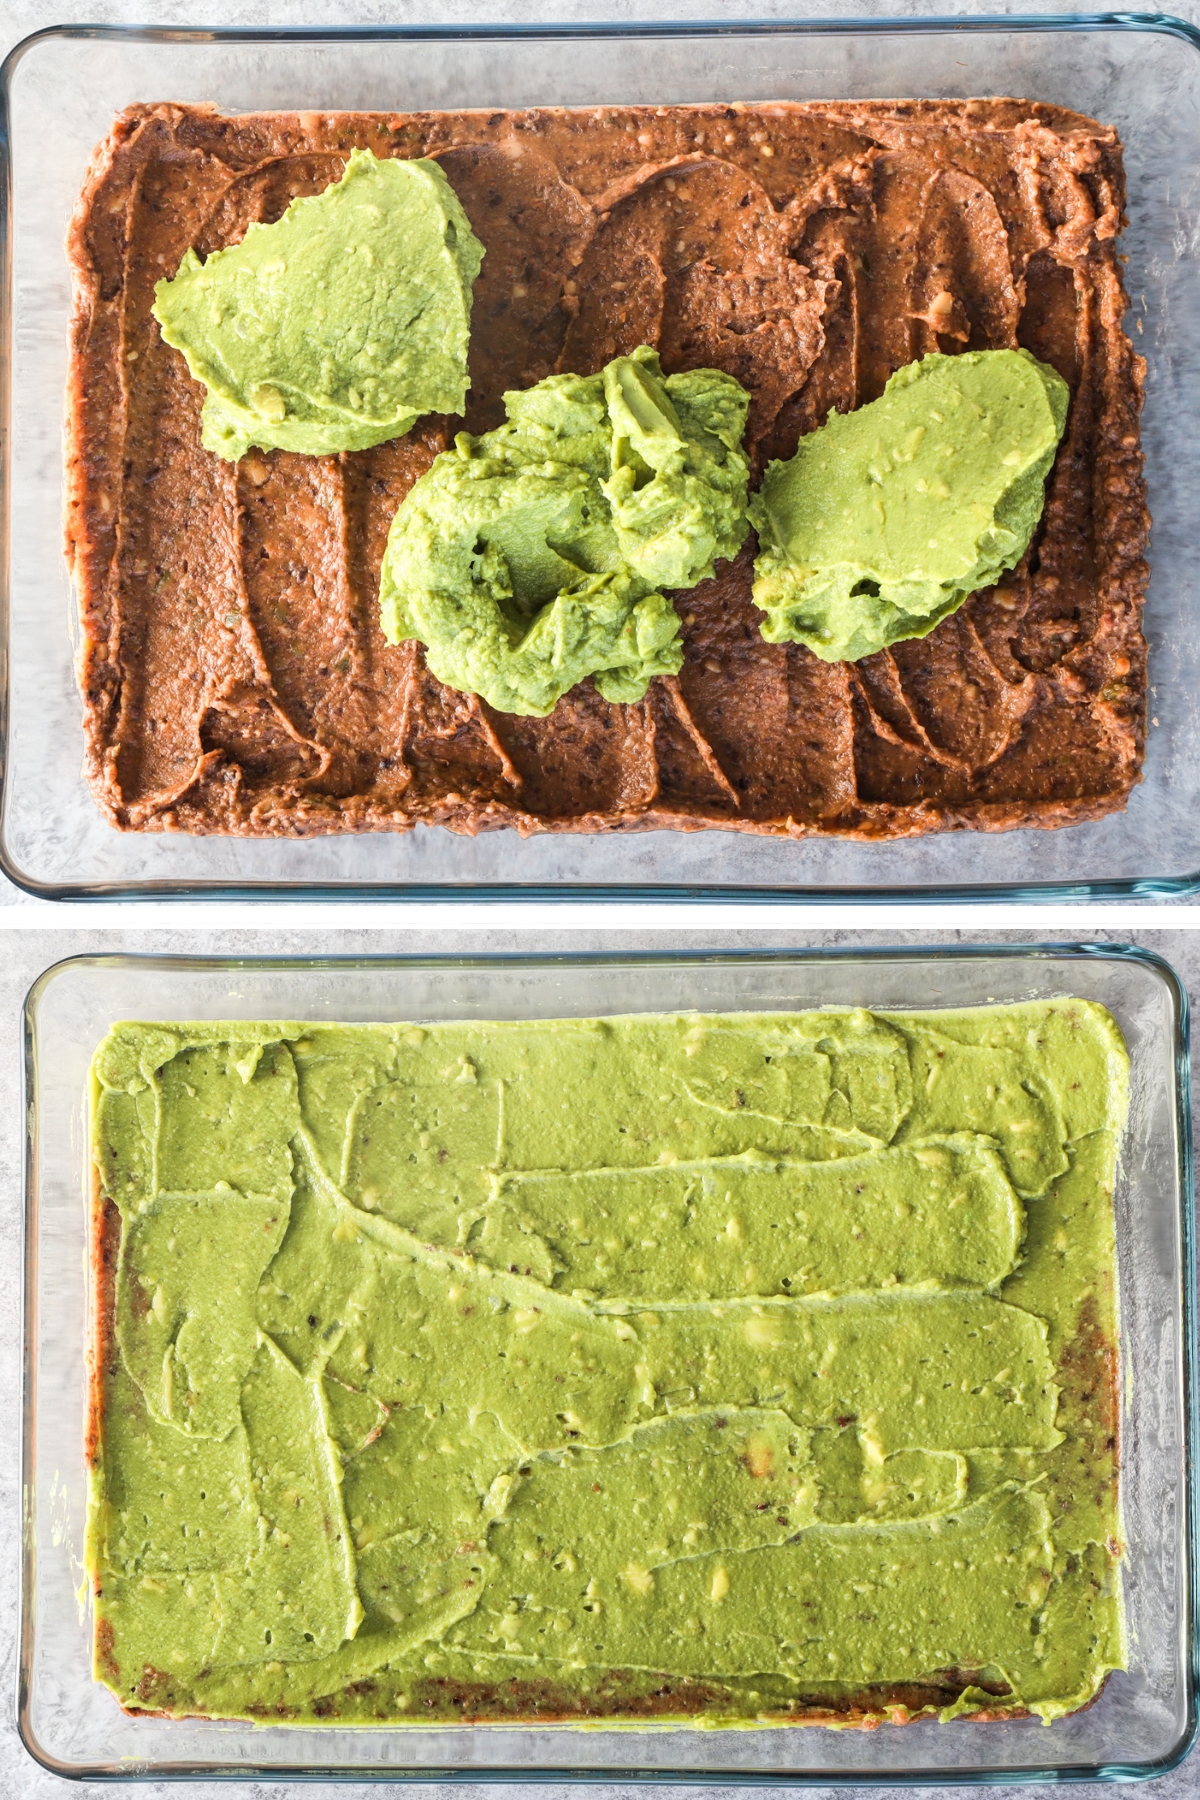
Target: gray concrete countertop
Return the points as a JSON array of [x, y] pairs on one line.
[[28, 952], [18, 18]]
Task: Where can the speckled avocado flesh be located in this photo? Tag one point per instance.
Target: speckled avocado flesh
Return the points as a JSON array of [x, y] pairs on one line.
[[337, 326], [887, 518], [722, 1365], [535, 555]]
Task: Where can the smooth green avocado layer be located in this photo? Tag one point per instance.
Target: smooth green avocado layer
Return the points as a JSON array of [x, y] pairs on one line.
[[887, 518], [709, 1367], [337, 326], [535, 555]]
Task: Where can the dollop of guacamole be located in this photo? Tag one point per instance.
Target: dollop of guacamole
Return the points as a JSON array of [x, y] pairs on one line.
[[536, 554], [583, 1356], [887, 518], [336, 327]]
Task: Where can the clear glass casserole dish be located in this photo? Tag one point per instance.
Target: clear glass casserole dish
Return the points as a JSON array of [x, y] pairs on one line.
[[1143, 1722], [60, 91]]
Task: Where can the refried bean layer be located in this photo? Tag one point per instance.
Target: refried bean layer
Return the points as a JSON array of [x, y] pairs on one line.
[[234, 675]]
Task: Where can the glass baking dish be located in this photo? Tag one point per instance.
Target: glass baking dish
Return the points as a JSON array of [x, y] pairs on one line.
[[60, 90], [1145, 1718]]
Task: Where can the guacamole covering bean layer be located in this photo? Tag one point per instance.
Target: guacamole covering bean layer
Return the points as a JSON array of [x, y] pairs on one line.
[[734, 1366], [337, 326], [888, 517], [536, 554]]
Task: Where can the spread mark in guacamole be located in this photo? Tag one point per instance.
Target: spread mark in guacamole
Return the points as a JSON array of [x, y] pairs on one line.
[[740, 1353], [887, 518], [337, 326], [535, 555]]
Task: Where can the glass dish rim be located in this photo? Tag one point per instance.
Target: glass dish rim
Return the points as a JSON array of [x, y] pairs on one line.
[[484, 1775], [1148, 887]]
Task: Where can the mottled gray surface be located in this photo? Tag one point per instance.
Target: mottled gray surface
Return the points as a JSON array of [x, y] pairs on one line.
[[28, 952], [54, 835]]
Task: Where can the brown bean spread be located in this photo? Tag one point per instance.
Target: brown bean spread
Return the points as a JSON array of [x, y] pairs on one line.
[[235, 678]]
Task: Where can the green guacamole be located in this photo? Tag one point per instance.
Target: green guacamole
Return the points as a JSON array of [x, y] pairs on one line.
[[887, 518], [339, 325], [536, 554], [730, 1363]]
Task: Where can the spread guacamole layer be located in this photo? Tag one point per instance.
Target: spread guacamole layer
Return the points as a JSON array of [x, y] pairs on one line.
[[725, 1367]]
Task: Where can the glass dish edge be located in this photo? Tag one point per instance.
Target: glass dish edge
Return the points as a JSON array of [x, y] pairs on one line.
[[659, 1776]]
